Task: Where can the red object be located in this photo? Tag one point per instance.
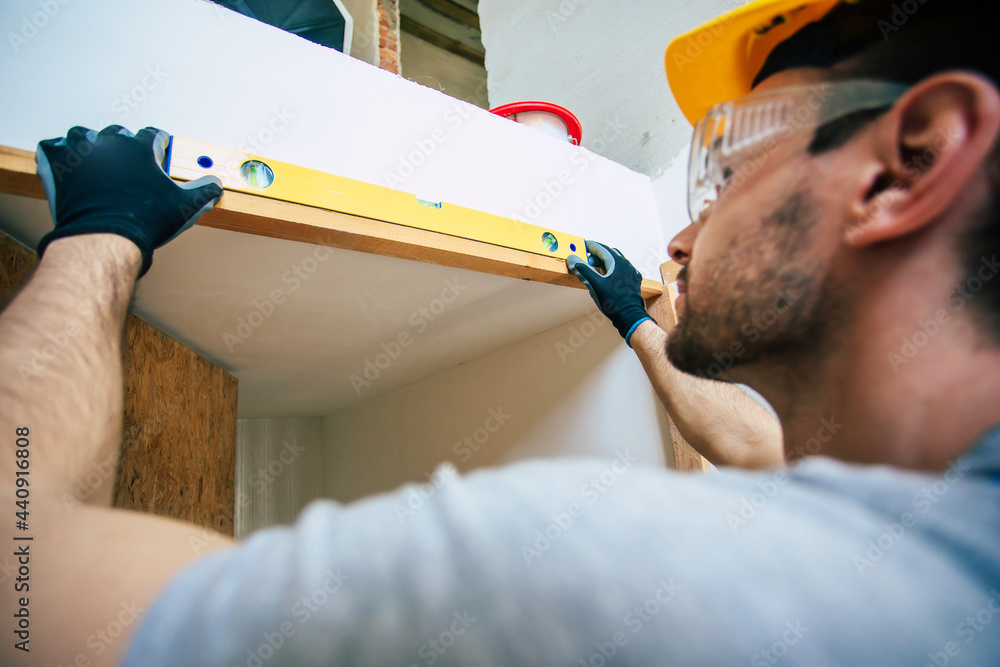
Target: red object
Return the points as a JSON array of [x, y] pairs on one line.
[[573, 127]]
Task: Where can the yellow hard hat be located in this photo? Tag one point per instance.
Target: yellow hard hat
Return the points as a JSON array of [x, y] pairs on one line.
[[718, 61]]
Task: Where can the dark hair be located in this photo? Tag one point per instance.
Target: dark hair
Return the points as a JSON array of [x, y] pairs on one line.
[[906, 41]]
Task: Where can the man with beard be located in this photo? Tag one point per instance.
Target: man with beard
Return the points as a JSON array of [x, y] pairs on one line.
[[842, 187]]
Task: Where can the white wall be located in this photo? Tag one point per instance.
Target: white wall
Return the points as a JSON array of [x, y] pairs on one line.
[[576, 390], [279, 469], [670, 192], [604, 62], [601, 60]]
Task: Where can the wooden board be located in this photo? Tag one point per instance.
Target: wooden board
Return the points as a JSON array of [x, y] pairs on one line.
[[686, 459], [277, 219], [178, 454]]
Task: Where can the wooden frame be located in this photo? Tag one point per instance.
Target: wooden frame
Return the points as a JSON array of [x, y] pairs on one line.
[[686, 459], [261, 216]]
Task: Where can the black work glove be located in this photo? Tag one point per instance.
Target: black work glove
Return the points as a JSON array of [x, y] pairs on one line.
[[115, 183], [617, 293]]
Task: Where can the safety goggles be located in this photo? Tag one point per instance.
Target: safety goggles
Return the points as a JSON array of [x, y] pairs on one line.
[[735, 138]]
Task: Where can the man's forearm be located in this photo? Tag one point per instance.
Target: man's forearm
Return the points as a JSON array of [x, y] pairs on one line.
[[721, 422], [60, 364]]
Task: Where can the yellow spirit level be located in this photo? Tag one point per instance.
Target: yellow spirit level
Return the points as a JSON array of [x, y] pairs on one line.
[[188, 159]]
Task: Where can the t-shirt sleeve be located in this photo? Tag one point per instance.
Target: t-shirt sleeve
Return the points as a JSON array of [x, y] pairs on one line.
[[560, 563]]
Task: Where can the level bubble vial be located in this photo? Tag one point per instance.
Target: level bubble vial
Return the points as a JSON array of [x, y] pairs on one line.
[[256, 174], [550, 241]]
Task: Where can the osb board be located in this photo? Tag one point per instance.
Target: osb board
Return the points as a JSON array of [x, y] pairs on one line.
[[16, 263], [686, 459], [178, 455]]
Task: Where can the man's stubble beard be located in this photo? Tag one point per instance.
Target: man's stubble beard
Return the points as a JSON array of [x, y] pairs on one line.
[[734, 327]]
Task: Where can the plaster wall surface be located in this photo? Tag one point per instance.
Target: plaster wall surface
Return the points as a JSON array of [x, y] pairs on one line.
[[575, 390], [601, 60]]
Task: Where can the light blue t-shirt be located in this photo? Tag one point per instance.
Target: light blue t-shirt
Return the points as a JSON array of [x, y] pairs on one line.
[[608, 562]]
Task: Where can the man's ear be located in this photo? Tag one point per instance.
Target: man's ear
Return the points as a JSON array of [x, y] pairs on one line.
[[926, 150]]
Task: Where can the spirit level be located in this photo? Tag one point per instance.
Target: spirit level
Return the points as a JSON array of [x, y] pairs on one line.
[[188, 159]]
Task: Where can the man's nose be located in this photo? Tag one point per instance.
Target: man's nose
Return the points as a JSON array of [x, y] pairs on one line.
[[680, 246]]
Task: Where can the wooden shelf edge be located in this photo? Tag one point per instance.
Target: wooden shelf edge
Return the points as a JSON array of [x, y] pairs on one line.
[[686, 459], [250, 214]]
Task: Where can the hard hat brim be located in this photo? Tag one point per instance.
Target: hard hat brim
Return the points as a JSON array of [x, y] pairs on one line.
[[718, 61]]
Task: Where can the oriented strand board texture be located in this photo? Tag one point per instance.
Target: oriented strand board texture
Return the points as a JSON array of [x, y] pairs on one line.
[[178, 456], [16, 262], [179, 453]]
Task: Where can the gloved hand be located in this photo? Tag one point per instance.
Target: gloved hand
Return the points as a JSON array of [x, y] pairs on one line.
[[617, 293], [115, 183]]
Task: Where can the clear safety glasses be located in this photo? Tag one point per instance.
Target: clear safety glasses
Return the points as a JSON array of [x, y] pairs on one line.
[[734, 139]]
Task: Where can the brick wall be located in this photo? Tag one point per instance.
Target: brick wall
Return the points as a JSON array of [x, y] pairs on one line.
[[388, 35]]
